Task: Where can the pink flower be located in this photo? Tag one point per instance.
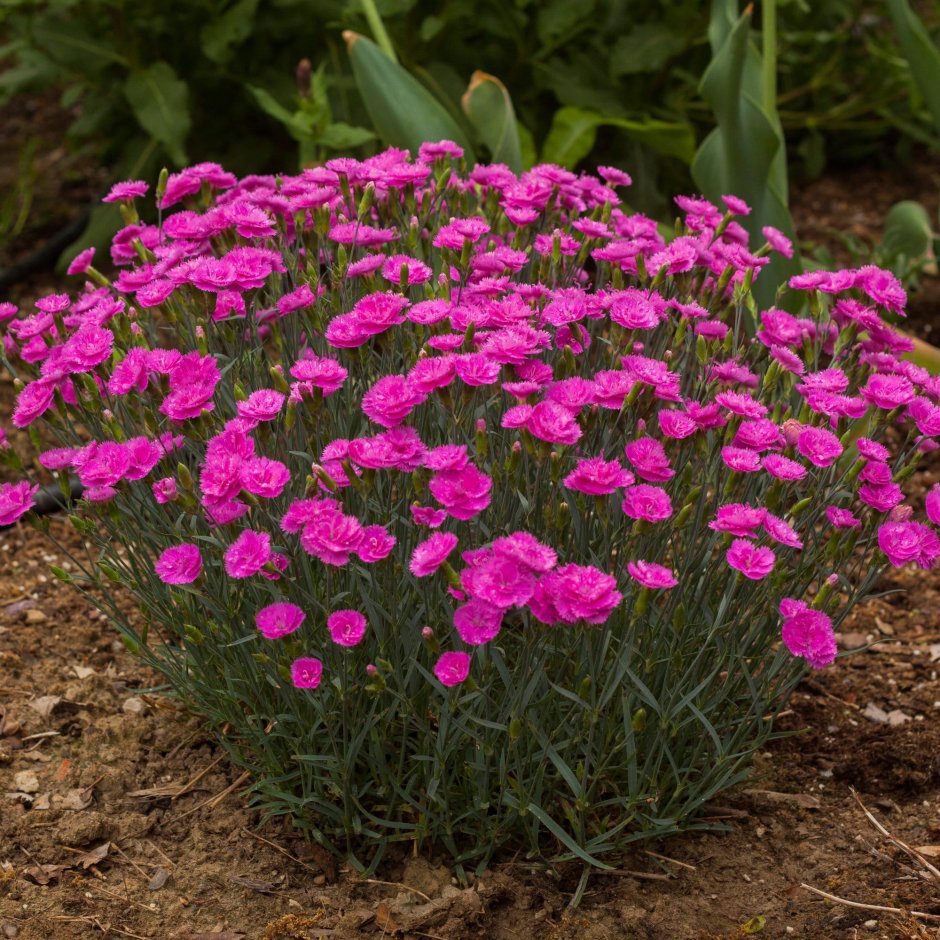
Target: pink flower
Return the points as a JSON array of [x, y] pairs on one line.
[[783, 468], [526, 550], [280, 619], [248, 554], [416, 272], [650, 503], [391, 400], [452, 668], [500, 581], [581, 592], [430, 554], [376, 544], [127, 191], [378, 312], [598, 477], [81, 262], [306, 672], [651, 575], [808, 633], [179, 564], [347, 627], [881, 497], [428, 516], [164, 490], [887, 391], [933, 504], [16, 499], [477, 622], [819, 446], [554, 423], [740, 460], [872, 450], [676, 424], [648, 457], [33, 400], [737, 519], [781, 531], [463, 493], [842, 518], [325, 374], [130, 373], [753, 562], [332, 537], [261, 405], [909, 541], [264, 477]]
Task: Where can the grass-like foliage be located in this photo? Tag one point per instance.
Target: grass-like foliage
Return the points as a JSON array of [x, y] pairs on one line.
[[471, 511]]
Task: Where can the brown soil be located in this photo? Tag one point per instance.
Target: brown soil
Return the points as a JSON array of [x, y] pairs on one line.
[[119, 816]]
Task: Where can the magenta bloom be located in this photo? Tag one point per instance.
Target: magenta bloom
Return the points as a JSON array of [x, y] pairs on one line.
[[887, 391], [648, 457], [500, 581], [428, 516], [740, 459], [262, 405], [264, 477], [737, 519], [376, 544], [477, 622], [933, 504], [526, 550], [248, 554], [280, 619], [391, 400], [463, 493], [127, 191], [598, 477], [552, 422], [842, 518], [583, 592], [650, 503], [16, 499], [881, 497], [781, 531], [753, 562], [783, 468], [430, 554], [808, 633], [179, 564], [651, 575], [452, 668], [332, 537], [306, 672], [819, 446], [903, 542], [347, 627]]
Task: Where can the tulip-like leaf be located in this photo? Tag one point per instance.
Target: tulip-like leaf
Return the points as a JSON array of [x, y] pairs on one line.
[[403, 112], [921, 53], [907, 232], [745, 152], [487, 104], [160, 102], [574, 131]]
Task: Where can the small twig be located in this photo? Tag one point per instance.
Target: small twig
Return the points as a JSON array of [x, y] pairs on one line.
[[869, 907], [629, 873], [197, 778], [816, 687], [214, 801], [394, 884], [666, 858], [894, 840], [160, 851], [127, 900], [278, 848]]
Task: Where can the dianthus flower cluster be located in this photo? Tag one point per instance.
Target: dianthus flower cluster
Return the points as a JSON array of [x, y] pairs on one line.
[[507, 400]]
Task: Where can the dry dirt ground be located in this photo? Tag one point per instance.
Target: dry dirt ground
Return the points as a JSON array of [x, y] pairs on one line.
[[119, 817]]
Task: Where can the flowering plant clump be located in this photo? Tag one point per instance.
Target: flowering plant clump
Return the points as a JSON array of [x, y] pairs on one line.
[[474, 509]]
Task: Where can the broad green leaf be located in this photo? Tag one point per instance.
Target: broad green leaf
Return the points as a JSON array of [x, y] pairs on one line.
[[273, 108], [70, 46], [645, 48], [745, 153], [160, 102], [907, 231], [222, 33], [921, 53], [340, 136], [403, 112], [488, 105], [527, 146], [574, 131]]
